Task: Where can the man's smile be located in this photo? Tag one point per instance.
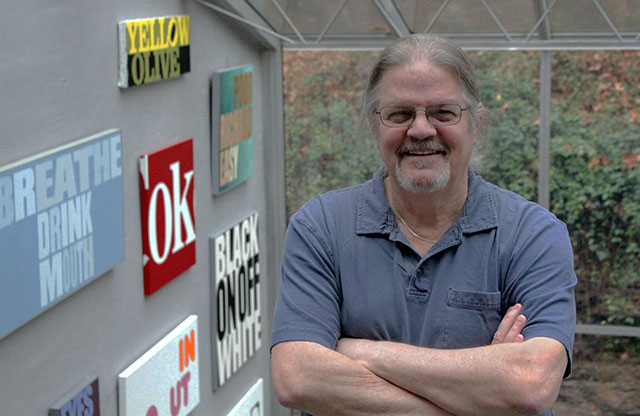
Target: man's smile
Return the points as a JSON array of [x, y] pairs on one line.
[[423, 149]]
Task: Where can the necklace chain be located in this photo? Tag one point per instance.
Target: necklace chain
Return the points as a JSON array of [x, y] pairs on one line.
[[413, 233]]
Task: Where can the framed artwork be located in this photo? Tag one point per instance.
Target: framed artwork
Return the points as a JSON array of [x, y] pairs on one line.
[[82, 401], [165, 379], [61, 224], [231, 128], [252, 403], [153, 49], [235, 295], [168, 220]]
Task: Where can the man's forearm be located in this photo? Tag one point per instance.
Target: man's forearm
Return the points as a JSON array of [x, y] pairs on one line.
[[310, 377], [514, 378]]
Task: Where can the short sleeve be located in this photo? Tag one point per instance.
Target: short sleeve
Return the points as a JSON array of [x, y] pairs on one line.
[[541, 277], [308, 303]]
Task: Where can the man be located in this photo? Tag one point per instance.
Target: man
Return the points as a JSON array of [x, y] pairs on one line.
[[408, 294]]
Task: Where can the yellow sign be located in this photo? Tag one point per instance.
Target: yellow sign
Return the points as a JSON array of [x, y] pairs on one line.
[[153, 49]]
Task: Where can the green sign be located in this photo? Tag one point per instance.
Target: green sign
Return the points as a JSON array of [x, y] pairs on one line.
[[231, 127]]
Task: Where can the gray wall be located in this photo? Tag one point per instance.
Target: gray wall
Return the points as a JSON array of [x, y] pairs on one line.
[[58, 83]]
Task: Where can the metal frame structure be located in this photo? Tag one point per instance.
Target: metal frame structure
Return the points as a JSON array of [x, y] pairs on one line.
[[538, 37]]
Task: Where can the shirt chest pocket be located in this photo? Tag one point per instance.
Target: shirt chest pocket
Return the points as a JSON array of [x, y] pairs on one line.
[[472, 318]]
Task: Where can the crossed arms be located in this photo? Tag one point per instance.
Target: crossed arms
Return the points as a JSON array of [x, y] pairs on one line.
[[508, 377]]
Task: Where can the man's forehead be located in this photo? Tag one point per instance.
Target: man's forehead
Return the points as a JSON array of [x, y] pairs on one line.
[[419, 79], [419, 70]]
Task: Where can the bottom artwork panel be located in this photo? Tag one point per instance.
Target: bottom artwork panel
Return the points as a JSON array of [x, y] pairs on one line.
[[251, 403], [165, 379]]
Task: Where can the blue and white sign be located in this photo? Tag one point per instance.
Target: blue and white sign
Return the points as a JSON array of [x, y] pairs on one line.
[[61, 224], [251, 403], [83, 401]]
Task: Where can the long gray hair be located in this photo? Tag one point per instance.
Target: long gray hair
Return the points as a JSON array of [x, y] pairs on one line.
[[440, 52]]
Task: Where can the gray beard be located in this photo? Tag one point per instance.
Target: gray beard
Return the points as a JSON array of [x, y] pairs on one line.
[[423, 186]]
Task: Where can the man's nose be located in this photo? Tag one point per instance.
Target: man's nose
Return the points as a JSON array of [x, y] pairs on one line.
[[421, 127]]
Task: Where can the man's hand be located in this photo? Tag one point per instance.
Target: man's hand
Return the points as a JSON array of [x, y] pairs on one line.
[[311, 377], [508, 377], [510, 328], [509, 331]]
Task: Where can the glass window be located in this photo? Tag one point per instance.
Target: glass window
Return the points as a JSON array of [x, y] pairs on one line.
[[468, 16], [509, 88], [311, 16], [326, 147], [577, 16], [595, 178]]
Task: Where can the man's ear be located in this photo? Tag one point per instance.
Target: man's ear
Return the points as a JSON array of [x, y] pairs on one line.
[[479, 123], [373, 125]]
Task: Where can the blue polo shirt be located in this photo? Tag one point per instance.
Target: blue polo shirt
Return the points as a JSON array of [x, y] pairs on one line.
[[348, 271]]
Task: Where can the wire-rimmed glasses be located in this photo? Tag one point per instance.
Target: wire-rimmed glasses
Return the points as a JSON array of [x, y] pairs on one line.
[[438, 115]]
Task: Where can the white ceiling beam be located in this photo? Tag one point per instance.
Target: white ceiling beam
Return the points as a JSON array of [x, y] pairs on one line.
[[539, 7], [540, 20], [435, 18], [288, 20], [475, 43], [331, 21], [495, 19], [246, 21], [390, 12], [606, 18]]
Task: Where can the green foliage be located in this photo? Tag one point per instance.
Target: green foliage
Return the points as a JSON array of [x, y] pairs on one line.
[[595, 178], [325, 147], [508, 88], [595, 151], [325, 151]]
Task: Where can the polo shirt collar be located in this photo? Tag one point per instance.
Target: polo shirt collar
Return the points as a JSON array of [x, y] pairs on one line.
[[375, 216], [374, 213], [480, 212]]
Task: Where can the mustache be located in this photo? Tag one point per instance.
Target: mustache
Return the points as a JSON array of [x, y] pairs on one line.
[[422, 146]]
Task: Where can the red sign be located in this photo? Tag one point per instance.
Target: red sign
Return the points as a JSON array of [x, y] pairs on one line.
[[168, 227]]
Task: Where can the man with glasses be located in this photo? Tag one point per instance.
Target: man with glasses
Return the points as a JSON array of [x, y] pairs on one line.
[[408, 294]]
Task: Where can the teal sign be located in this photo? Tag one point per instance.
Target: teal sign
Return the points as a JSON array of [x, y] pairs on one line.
[[231, 128]]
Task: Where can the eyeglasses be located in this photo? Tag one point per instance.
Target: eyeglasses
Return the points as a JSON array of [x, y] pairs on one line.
[[438, 115]]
